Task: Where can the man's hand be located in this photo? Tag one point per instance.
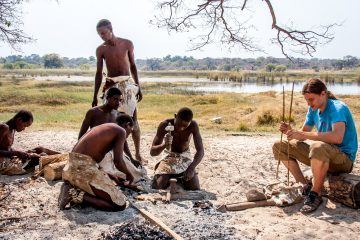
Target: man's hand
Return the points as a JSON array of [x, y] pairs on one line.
[[118, 180], [130, 179], [189, 174], [22, 155], [94, 102], [294, 134], [136, 163], [284, 127], [168, 140], [139, 95]]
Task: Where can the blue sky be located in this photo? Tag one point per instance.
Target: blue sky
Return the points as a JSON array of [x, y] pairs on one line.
[[67, 27]]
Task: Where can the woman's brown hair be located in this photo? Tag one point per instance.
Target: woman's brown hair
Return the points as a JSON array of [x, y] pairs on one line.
[[316, 86]]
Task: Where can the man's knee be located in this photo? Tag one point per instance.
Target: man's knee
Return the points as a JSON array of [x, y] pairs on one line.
[[276, 149]]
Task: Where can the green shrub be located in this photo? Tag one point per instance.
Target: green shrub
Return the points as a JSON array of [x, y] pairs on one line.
[[266, 118]]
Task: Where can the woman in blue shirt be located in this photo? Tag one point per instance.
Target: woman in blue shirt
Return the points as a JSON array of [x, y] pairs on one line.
[[333, 147]]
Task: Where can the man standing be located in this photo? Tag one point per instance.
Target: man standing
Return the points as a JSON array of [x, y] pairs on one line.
[[118, 54], [334, 144], [178, 162]]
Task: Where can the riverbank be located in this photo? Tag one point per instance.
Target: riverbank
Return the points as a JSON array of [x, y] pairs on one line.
[[346, 75]]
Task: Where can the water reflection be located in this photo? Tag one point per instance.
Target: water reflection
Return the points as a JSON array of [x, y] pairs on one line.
[[248, 86], [256, 87]]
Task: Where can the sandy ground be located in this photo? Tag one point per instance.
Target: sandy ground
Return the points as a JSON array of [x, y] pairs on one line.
[[232, 165]]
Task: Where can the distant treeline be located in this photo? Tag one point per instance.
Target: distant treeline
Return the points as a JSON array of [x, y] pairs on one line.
[[184, 63]]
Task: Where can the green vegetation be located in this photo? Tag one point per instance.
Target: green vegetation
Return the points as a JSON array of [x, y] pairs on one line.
[[62, 105]]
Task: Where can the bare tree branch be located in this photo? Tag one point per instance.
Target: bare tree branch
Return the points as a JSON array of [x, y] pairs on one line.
[[306, 40], [219, 20], [11, 23], [212, 17]]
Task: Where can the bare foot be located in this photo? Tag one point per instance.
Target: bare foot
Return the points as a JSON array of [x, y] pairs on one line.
[[64, 196]]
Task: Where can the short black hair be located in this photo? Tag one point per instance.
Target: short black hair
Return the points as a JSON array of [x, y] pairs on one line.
[[185, 114], [103, 23], [112, 92], [24, 115], [124, 118]]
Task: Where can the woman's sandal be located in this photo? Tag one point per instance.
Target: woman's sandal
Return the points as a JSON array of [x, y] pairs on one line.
[[312, 202], [306, 189]]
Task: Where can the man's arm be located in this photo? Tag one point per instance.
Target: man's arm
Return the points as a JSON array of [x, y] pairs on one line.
[[157, 145], [4, 130], [284, 128], [119, 156], [98, 75], [128, 153], [307, 128], [189, 173], [86, 123], [133, 70], [333, 137]]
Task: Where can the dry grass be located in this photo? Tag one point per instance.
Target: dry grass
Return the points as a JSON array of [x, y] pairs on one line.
[[64, 104]]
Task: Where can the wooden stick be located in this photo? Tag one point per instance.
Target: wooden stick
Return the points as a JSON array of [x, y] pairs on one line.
[[246, 205], [2, 229], [147, 215], [281, 136], [288, 144], [16, 218], [7, 195]]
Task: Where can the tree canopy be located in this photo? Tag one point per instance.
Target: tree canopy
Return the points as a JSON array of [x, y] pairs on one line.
[[219, 21], [11, 24]]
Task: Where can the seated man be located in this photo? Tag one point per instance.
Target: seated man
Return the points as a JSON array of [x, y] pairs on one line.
[[106, 114], [334, 147], [178, 162], [90, 185], [12, 162], [103, 114]]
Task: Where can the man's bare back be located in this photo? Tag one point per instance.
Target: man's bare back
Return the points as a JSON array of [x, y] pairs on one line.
[[6, 137], [100, 140]]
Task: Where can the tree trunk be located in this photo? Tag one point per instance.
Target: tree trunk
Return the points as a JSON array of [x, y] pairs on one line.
[[343, 188], [53, 171]]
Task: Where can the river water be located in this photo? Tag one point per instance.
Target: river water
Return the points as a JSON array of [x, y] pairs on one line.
[[206, 86]]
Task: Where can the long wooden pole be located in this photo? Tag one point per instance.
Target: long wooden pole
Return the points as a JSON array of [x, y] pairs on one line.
[[288, 144], [281, 136], [154, 220]]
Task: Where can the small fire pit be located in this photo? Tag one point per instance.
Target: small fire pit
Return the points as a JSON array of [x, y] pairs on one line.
[[135, 231]]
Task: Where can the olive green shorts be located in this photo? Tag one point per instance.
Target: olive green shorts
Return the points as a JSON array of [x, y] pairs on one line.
[[338, 161]]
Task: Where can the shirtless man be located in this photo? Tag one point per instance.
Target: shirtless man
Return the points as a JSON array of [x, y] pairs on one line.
[[178, 162], [11, 160], [118, 54], [85, 183], [106, 114], [102, 114]]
